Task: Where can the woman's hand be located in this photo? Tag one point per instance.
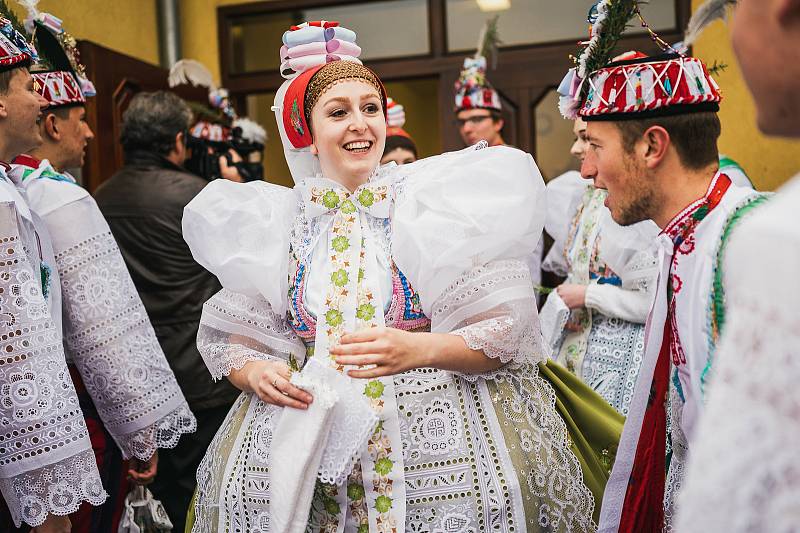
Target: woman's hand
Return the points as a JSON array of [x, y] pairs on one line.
[[270, 381], [574, 295], [143, 472], [54, 524], [392, 351]]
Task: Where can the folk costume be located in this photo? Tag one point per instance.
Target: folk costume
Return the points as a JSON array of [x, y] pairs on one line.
[[46, 460], [396, 136], [683, 325], [604, 348], [743, 442], [429, 246], [128, 393]]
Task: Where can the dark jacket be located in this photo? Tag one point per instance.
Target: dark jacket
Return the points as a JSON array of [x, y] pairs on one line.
[[143, 204]]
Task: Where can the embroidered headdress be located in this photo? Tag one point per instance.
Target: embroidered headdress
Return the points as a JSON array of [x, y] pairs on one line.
[[473, 90], [15, 51], [632, 86], [58, 75], [314, 56]]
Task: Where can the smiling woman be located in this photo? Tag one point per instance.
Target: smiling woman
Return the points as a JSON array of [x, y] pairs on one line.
[[385, 335]]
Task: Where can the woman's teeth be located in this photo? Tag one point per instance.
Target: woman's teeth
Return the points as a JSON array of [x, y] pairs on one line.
[[358, 146]]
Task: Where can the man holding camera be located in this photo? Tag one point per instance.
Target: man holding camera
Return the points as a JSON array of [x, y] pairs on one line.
[[143, 204]]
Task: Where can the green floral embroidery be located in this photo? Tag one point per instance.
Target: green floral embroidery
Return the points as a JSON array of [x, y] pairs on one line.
[[339, 278], [348, 207], [360, 275], [365, 312], [355, 492], [334, 317], [383, 466], [363, 528], [366, 198], [331, 200], [332, 507], [383, 504], [374, 389], [340, 243]]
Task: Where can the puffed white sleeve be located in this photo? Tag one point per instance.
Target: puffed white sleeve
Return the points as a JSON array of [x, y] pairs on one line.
[[107, 333], [240, 233], [630, 252], [464, 224], [564, 195]]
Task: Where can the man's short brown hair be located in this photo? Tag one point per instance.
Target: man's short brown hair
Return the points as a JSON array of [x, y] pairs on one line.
[[694, 136], [5, 80]]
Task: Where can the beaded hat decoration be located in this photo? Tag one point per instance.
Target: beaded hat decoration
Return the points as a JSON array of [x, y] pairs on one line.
[[473, 90], [15, 50], [395, 119], [193, 72], [322, 71], [632, 86], [58, 75]]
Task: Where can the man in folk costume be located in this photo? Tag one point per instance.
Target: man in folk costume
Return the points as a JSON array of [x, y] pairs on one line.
[[130, 399], [652, 128], [47, 467], [477, 107], [479, 112], [743, 472], [610, 274]]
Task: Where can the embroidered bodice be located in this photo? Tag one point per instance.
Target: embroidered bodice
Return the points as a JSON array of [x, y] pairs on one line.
[[402, 312]]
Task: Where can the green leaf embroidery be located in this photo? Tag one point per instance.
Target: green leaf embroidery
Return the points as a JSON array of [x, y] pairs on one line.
[[383, 504], [374, 389]]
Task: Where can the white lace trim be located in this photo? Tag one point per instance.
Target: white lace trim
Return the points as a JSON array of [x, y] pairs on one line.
[[493, 309], [46, 461], [110, 340], [57, 489], [236, 329]]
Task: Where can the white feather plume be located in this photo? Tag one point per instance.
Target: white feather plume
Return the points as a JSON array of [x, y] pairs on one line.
[[32, 10], [704, 15], [191, 71], [251, 131]]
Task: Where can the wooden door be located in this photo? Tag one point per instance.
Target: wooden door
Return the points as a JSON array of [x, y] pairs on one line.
[[117, 78]]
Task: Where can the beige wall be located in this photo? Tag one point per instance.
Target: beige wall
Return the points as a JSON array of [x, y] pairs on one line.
[[127, 26], [768, 161]]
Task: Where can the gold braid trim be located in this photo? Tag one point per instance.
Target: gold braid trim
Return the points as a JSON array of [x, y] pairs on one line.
[[333, 73]]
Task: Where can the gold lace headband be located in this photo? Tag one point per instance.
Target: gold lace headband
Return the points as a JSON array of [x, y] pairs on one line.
[[333, 73]]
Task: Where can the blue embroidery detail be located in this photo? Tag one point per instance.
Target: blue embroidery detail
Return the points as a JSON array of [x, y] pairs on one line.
[[297, 322], [606, 280], [412, 309], [677, 382]]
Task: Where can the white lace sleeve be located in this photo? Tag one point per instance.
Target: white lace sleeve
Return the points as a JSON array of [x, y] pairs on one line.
[[743, 474], [236, 329], [493, 308], [109, 338], [46, 460]]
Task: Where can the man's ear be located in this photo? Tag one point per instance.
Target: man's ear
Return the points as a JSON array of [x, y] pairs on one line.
[[50, 122], [657, 143], [498, 125], [3, 106]]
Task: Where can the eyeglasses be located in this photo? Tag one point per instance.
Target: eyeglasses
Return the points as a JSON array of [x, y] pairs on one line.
[[472, 120]]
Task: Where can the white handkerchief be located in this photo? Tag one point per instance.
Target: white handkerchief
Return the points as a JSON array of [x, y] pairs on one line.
[[552, 318]]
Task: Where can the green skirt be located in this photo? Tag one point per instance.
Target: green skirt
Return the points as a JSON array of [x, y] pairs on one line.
[[594, 427]]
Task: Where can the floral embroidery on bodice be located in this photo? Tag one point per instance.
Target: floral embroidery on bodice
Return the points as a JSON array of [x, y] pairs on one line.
[[404, 311]]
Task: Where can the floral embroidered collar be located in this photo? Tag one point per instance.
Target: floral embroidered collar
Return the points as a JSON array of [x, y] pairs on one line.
[[684, 224]]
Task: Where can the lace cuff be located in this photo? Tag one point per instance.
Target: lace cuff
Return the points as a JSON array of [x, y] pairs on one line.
[[109, 338], [57, 489], [493, 308], [236, 329]]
